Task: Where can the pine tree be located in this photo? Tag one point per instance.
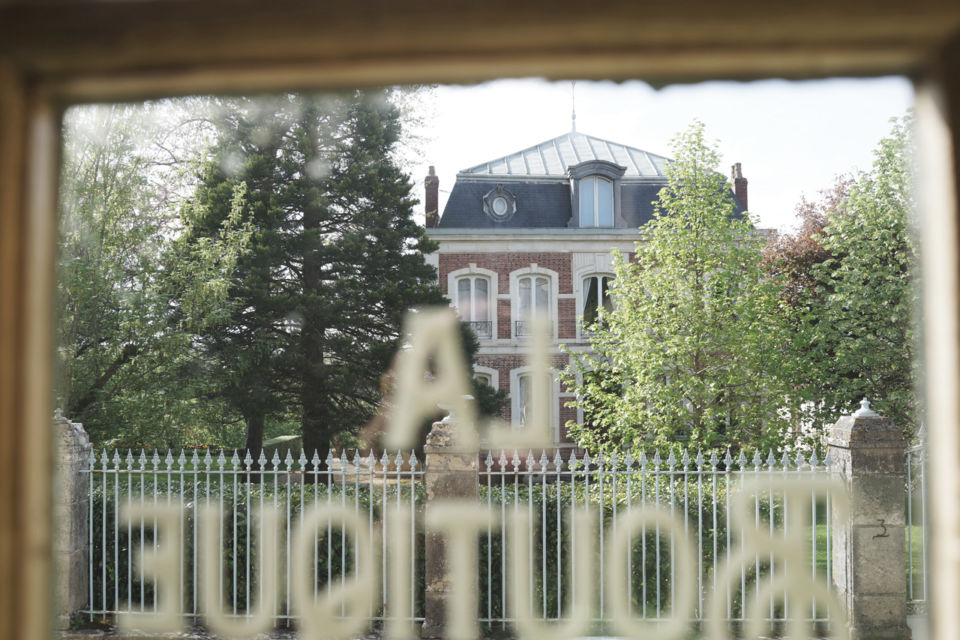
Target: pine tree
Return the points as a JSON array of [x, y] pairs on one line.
[[335, 259]]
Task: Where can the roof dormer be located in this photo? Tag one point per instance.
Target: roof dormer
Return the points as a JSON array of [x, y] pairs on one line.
[[595, 194]]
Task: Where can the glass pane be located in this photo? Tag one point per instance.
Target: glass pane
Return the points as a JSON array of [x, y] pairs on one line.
[[590, 299], [586, 202], [481, 301], [463, 298], [524, 298], [604, 203], [605, 294], [543, 295], [524, 393]]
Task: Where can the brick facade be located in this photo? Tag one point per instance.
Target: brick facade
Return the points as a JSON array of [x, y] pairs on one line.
[[519, 215], [563, 314], [506, 263]]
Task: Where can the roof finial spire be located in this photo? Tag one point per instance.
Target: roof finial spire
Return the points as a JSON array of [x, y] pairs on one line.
[[573, 106]]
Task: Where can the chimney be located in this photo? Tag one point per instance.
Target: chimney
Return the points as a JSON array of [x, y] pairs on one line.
[[431, 199], [739, 185]]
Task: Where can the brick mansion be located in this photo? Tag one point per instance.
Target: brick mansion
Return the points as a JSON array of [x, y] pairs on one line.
[[534, 230]]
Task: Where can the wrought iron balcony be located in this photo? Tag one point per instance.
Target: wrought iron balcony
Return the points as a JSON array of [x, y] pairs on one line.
[[482, 329], [523, 328]]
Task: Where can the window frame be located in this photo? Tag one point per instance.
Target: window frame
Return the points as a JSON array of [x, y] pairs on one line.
[[553, 291], [596, 170], [582, 297], [552, 402], [584, 266], [490, 372], [53, 59], [473, 271], [596, 181]]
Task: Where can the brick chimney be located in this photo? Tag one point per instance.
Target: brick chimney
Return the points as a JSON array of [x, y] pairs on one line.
[[431, 199], [739, 185]]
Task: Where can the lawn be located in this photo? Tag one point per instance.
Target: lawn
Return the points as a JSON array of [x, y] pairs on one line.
[[914, 547]]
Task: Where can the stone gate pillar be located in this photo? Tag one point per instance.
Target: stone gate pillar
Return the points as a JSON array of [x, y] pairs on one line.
[[70, 531], [869, 554], [450, 473]]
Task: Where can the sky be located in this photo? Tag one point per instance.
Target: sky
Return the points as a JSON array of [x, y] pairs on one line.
[[792, 138]]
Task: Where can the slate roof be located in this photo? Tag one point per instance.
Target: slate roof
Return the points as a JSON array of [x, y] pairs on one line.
[[539, 205], [537, 178], [553, 157]]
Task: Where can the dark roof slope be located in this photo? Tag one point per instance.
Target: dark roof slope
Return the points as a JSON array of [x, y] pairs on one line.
[[542, 205], [539, 205]]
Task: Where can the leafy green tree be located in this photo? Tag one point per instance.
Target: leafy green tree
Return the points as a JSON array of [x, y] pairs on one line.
[[855, 331], [335, 259], [689, 355], [126, 358]]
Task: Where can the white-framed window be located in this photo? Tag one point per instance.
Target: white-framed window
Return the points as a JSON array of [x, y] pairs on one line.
[[487, 375], [473, 292], [522, 383], [474, 304], [595, 294], [533, 290], [596, 202], [533, 296]]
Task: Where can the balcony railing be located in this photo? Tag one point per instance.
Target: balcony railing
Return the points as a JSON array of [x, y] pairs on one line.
[[524, 328], [482, 329]]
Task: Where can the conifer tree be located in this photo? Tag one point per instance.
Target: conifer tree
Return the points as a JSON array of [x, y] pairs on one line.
[[335, 259]]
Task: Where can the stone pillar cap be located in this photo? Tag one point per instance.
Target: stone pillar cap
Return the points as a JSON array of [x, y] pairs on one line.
[[865, 429], [865, 411]]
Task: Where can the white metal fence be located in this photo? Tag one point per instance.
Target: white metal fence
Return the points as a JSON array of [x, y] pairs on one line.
[[696, 490], [374, 488]]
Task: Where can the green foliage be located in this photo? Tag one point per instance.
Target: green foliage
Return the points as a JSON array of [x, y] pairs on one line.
[[234, 268], [127, 360], [690, 353], [335, 260], [855, 334], [115, 544]]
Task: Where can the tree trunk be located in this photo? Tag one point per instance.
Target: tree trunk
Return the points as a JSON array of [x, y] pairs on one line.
[[255, 423], [76, 408], [316, 424]]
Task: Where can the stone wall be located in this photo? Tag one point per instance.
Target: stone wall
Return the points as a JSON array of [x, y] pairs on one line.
[[70, 516]]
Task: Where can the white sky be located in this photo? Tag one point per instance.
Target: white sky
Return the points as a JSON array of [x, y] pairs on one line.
[[792, 138]]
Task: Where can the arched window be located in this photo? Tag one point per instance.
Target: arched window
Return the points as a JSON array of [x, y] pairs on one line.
[[524, 391], [596, 294], [533, 296], [473, 304], [596, 202]]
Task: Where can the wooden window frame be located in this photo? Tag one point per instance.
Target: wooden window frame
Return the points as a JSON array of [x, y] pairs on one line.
[[54, 53]]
